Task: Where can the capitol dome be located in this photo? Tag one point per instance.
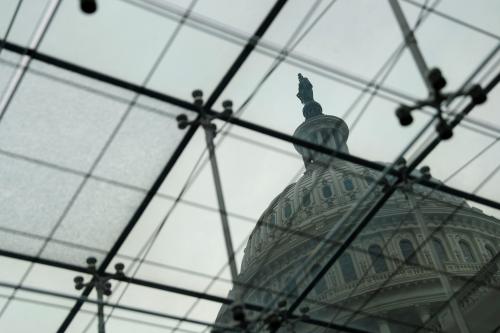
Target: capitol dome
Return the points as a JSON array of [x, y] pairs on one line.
[[371, 287]]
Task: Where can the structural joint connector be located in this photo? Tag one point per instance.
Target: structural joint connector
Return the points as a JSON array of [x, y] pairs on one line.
[[100, 282], [436, 99], [205, 116]]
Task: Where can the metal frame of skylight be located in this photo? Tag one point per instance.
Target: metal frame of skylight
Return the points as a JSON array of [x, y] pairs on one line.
[[34, 53]]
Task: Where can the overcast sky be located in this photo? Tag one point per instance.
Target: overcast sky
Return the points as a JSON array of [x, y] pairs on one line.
[[67, 126]]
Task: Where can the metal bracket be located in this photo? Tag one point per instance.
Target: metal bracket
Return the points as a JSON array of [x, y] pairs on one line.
[[101, 284]]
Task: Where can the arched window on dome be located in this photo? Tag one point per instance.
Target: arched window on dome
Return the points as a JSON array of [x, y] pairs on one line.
[[440, 250], [267, 298], [348, 184], [377, 258], [290, 287], [326, 190], [306, 198], [287, 209], [272, 223], [491, 252], [466, 251], [407, 250], [321, 286], [347, 268]]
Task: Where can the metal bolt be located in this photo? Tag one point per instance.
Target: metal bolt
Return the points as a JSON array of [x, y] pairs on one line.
[[88, 6]]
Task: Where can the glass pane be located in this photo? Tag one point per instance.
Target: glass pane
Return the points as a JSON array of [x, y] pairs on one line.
[[455, 61], [80, 158], [8, 63], [481, 14], [182, 70], [33, 199], [124, 45], [26, 21], [60, 131]]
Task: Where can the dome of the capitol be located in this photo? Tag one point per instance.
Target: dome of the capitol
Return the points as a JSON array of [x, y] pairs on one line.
[[409, 268]]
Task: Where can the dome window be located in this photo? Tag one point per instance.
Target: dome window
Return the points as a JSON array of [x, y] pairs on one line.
[[321, 286], [290, 287], [466, 251], [272, 222], [326, 190], [267, 298], [306, 198], [377, 258], [408, 251], [347, 268], [348, 184], [490, 251], [287, 210], [440, 250]]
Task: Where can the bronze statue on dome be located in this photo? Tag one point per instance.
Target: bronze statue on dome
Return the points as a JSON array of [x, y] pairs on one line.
[[305, 93], [311, 107]]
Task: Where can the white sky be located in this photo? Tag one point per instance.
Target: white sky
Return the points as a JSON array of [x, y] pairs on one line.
[[123, 40]]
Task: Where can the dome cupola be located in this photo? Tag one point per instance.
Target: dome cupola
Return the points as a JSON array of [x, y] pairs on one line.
[[318, 128]]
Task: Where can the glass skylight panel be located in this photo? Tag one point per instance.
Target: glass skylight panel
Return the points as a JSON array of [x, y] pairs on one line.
[[97, 217], [67, 126], [26, 21], [187, 226], [241, 15], [183, 69], [63, 141], [481, 15], [344, 36], [33, 200], [124, 45], [142, 147], [15, 316], [454, 49], [8, 63]]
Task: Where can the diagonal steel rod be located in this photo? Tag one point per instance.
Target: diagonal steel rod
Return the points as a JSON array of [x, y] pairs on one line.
[[209, 138], [411, 42]]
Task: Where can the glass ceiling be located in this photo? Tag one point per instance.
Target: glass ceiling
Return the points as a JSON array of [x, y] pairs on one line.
[[94, 164]]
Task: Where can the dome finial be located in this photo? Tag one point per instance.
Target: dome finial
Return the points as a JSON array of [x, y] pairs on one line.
[[311, 107]]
